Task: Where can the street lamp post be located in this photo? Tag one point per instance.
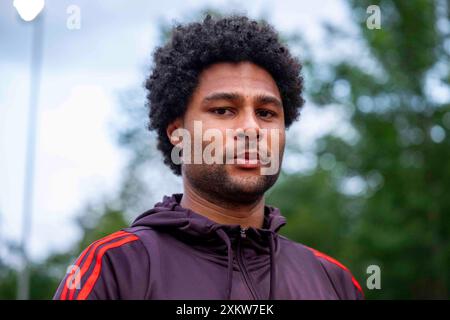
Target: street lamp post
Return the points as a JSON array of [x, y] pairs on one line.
[[27, 208]]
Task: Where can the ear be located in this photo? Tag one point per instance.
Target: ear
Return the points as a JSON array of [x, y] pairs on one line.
[[174, 125]]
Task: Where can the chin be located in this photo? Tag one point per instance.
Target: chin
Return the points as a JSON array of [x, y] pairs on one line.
[[248, 183]]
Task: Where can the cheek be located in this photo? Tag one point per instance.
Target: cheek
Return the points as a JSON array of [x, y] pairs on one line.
[[282, 139], [275, 135]]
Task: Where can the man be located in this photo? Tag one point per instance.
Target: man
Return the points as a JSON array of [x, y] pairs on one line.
[[221, 95]]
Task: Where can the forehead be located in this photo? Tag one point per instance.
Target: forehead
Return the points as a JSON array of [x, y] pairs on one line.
[[242, 77]]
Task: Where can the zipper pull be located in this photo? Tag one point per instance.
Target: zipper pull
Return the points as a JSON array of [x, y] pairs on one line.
[[243, 234]]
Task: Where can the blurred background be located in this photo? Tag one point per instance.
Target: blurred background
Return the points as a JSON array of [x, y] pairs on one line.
[[366, 174]]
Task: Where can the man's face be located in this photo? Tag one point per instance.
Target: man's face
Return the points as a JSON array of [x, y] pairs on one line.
[[236, 97]]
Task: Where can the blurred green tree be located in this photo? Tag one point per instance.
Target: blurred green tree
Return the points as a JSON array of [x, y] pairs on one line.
[[379, 198]]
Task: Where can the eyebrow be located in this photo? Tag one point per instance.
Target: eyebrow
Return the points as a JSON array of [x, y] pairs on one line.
[[230, 96], [266, 99], [237, 97]]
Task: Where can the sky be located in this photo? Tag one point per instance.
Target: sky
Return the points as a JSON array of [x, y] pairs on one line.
[[83, 72]]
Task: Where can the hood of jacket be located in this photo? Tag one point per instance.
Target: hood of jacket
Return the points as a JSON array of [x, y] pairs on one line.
[[189, 226]]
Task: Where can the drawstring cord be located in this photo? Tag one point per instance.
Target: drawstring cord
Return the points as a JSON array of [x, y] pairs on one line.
[[222, 234], [272, 265]]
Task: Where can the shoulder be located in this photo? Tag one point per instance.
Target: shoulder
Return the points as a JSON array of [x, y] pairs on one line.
[[104, 267], [118, 247], [344, 283], [342, 278]]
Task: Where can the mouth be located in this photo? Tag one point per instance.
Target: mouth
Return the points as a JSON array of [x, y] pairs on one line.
[[248, 160]]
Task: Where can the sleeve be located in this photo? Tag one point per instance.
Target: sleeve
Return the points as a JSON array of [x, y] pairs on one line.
[[344, 282], [114, 267]]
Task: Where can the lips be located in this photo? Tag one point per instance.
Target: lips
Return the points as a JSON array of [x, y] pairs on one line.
[[248, 155], [247, 160]]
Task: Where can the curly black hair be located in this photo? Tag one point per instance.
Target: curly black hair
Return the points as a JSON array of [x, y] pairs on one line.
[[193, 47]]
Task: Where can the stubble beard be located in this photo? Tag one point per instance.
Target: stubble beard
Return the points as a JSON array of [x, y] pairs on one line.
[[215, 184]]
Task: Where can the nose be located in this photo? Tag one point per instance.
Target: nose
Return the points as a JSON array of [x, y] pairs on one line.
[[248, 131], [248, 127]]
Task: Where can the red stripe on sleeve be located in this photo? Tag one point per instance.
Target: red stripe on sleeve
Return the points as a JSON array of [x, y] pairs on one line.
[[94, 246], [87, 288], [322, 255]]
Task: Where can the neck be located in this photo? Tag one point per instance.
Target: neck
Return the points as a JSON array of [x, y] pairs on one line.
[[245, 215]]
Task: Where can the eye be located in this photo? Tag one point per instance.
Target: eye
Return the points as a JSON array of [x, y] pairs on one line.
[[265, 114], [223, 111]]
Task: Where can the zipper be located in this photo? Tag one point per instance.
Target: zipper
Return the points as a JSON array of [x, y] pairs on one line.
[[241, 264], [243, 234]]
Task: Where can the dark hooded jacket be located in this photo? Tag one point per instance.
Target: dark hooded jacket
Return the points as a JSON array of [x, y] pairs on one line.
[[171, 252]]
